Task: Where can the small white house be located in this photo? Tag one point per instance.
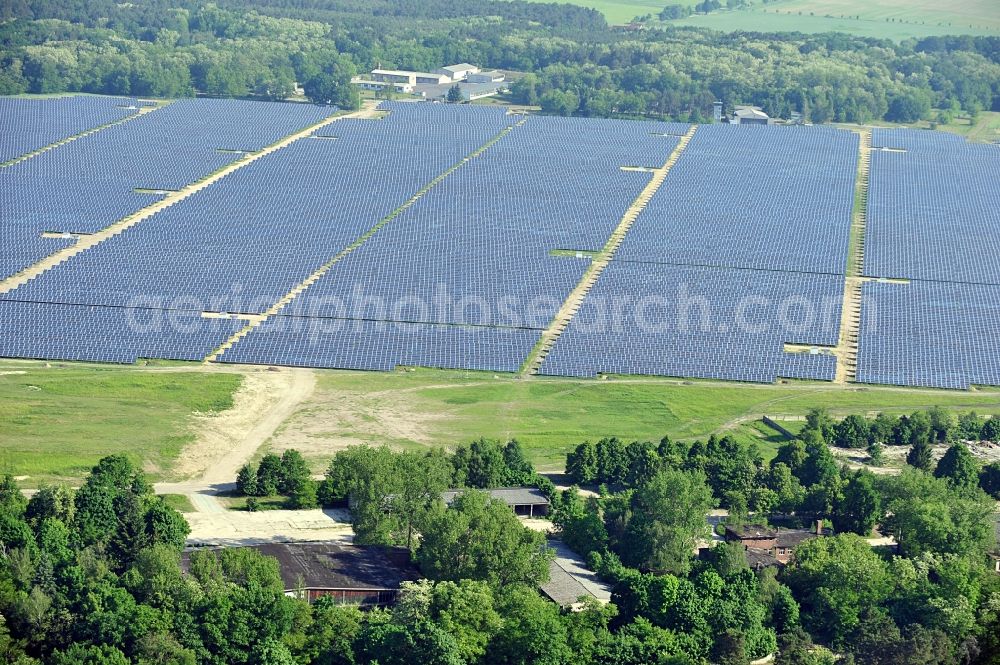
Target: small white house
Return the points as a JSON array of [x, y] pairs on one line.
[[369, 84]]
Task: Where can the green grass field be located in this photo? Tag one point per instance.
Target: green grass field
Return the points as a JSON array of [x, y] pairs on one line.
[[550, 416], [760, 21], [887, 19], [619, 12], [178, 502], [956, 16], [984, 129], [57, 422]]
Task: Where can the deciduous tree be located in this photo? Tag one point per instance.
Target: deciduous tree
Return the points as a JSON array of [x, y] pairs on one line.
[[668, 519], [959, 467], [480, 538], [926, 514], [860, 507], [836, 579]]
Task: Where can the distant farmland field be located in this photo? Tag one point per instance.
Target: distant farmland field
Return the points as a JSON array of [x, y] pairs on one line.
[[893, 19], [622, 11]]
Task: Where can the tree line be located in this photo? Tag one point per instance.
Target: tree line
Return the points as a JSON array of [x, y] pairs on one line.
[[392, 494], [575, 63], [396, 500], [797, 476]]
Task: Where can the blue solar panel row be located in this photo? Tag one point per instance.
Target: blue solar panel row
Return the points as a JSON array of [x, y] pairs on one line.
[[560, 181], [107, 334], [27, 125], [437, 280], [915, 139], [88, 184], [934, 334], [17, 253], [934, 210], [476, 249], [701, 322], [377, 345], [244, 242], [772, 198]]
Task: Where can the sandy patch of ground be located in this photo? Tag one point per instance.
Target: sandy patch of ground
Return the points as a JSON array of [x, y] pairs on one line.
[[536, 524], [268, 526], [985, 452], [332, 420], [227, 440]]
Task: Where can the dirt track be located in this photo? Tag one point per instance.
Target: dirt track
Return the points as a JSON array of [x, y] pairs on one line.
[[226, 441]]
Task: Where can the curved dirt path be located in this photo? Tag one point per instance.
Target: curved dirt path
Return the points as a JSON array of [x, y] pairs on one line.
[[228, 440]]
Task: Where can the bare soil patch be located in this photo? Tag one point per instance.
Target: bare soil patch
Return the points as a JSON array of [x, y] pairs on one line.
[[269, 526], [227, 440], [336, 419]]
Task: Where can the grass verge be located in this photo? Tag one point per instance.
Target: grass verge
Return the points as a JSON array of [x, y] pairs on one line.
[[263, 503], [57, 422], [178, 502], [550, 416]]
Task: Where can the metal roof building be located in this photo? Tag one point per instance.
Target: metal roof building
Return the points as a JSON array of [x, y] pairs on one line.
[[750, 115], [528, 501], [351, 574], [458, 72], [570, 579]]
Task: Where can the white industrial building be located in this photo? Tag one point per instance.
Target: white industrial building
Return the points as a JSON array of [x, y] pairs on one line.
[[473, 83], [411, 78], [458, 72], [370, 84]]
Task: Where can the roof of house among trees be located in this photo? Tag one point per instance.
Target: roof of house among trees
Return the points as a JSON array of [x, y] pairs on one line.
[[512, 496], [338, 565]]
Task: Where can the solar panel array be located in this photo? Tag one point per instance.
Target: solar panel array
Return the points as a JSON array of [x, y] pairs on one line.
[[933, 334], [27, 124], [107, 334], [934, 210], [88, 184], [481, 240], [701, 322], [474, 253], [381, 345], [558, 183], [244, 242], [751, 220], [753, 197], [740, 252], [17, 252], [933, 219]]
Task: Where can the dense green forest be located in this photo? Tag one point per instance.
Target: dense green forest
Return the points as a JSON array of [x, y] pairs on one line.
[[93, 575], [575, 63]]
